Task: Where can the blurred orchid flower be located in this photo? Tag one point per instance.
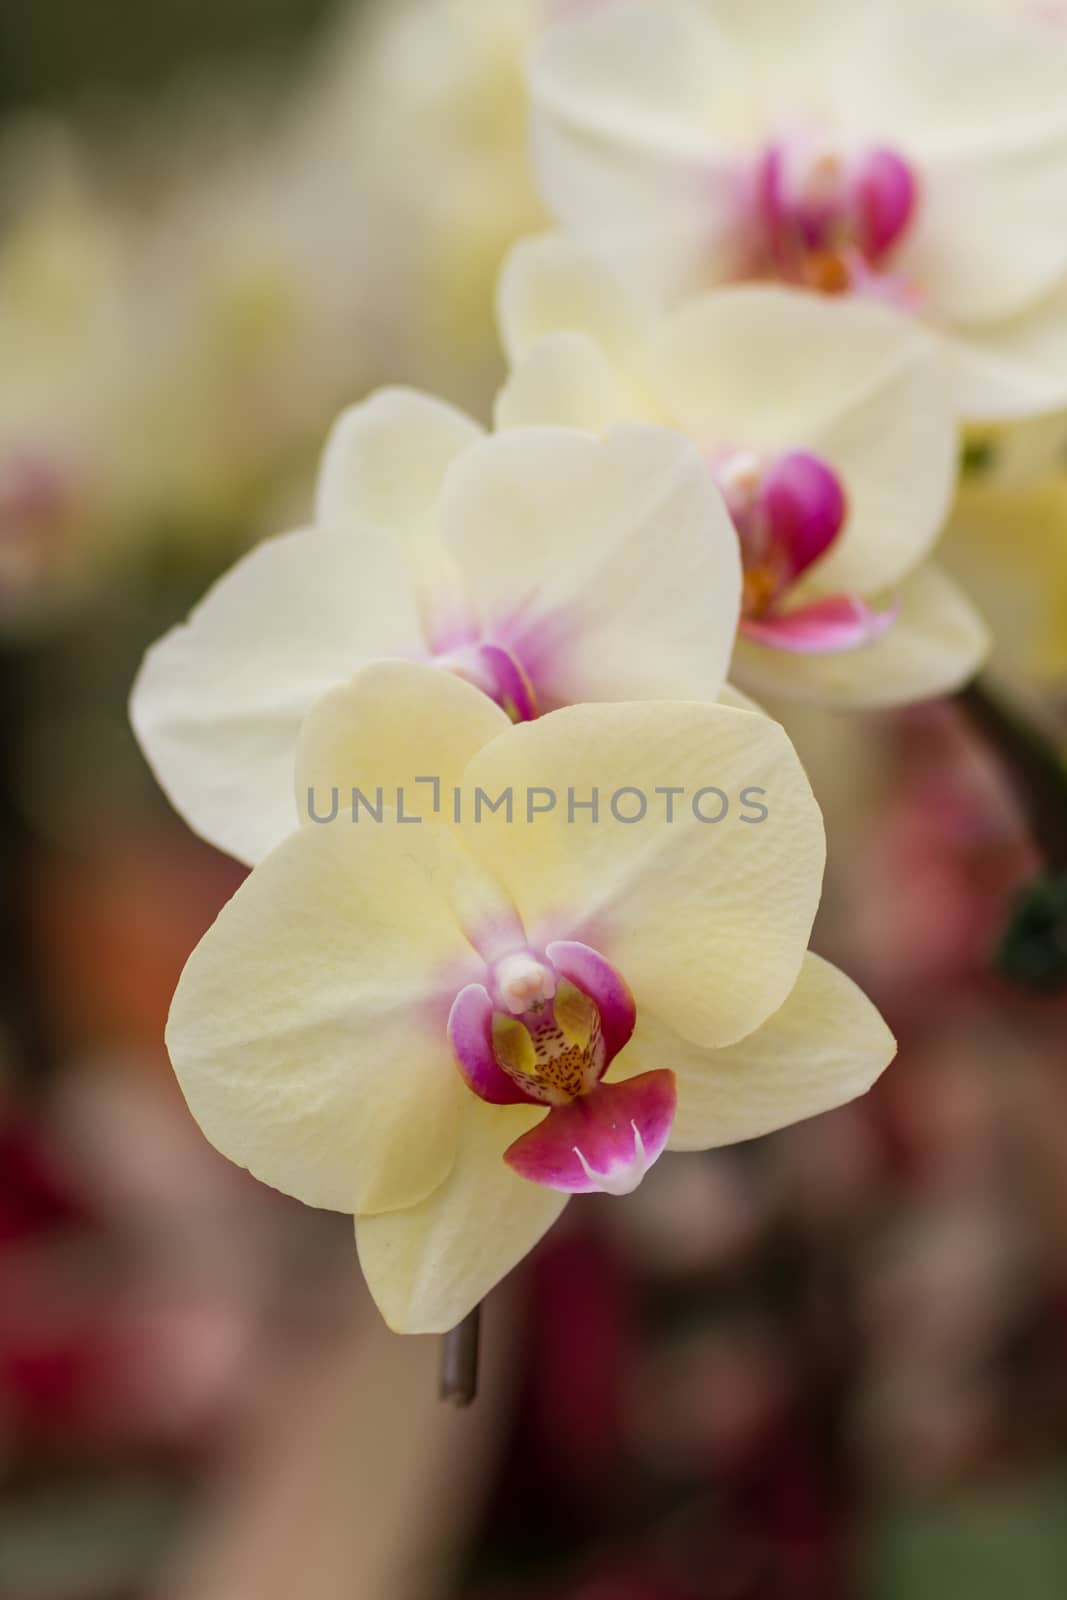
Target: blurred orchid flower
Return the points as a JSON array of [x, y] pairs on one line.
[[915, 153], [449, 1028], [545, 567], [1007, 542], [828, 429]]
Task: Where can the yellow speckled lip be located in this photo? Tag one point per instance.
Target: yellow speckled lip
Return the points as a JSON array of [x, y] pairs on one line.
[[556, 1052]]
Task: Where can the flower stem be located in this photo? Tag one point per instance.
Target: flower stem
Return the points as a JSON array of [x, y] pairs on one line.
[[1033, 947], [459, 1360], [1032, 763]]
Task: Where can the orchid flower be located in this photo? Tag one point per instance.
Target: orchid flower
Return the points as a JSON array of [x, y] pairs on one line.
[[1007, 542], [449, 1028], [880, 148], [544, 567], [829, 431]]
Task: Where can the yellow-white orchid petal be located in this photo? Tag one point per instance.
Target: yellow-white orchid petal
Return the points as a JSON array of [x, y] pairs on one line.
[[783, 44], [628, 136], [399, 735], [665, 72], [639, 575], [774, 369], [308, 1028], [738, 701], [385, 460], [549, 285], [907, 153], [706, 919], [971, 205], [824, 1045], [219, 700], [961, 80], [936, 643], [1007, 546], [1015, 368], [567, 381], [430, 1264]]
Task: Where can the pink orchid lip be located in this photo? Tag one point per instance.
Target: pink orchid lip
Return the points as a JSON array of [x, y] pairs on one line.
[[522, 986], [588, 970], [788, 510], [885, 196], [470, 1033], [604, 1142], [830, 215], [804, 507], [831, 626], [788, 513], [513, 1044]]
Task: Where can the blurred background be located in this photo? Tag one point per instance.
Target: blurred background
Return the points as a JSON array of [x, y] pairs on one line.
[[827, 1365]]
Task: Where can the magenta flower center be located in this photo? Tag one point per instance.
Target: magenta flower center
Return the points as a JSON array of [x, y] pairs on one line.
[[542, 1030], [544, 1026], [829, 215], [788, 510]]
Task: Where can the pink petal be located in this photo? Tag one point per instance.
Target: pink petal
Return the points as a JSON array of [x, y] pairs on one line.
[[604, 1142], [470, 1033], [610, 993], [841, 622]]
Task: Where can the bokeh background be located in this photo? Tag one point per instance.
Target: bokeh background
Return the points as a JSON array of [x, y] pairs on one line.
[[828, 1365]]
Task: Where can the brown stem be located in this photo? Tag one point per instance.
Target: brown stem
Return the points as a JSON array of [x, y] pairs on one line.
[[1032, 764], [459, 1360]]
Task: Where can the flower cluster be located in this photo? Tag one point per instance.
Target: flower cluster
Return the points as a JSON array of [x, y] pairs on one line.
[[721, 460]]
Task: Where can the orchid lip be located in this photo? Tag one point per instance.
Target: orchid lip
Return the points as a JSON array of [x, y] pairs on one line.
[[544, 1030], [604, 1143], [549, 1022], [829, 212], [788, 510], [624, 1178]]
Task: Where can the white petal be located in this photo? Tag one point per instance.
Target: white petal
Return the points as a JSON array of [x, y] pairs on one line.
[[1007, 546], [401, 733], [308, 1028], [825, 1045], [951, 78], [429, 1265], [1004, 371], [634, 107], [706, 916], [987, 241], [611, 567], [551, 285], [775, 369], [788, 51], [386, 458], [936, 645], [977, 102], [219, 701], [734, 698], [566, 380]]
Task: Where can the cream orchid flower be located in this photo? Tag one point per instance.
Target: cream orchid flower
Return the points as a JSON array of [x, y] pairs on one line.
[[829, 431], [449, 1028], [1008, 544], [545, 567], [881, 148]]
